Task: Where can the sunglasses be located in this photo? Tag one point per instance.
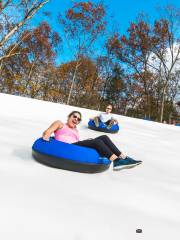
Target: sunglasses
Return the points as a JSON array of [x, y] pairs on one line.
[[76, 117]]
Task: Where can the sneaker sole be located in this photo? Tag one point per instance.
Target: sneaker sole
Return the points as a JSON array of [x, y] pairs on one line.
[[126, 166]]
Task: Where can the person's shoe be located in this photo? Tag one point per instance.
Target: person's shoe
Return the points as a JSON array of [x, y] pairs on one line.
[[128, 162], [96, 121], [109, 126]]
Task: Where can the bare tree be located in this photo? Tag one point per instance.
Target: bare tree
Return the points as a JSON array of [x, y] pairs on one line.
[[82, 24], [14, 15], [166, 49]]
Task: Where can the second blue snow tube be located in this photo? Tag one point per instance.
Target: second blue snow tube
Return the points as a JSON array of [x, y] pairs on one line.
[[103, 127]]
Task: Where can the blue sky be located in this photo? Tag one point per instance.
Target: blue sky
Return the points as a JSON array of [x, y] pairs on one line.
[[123, 13]]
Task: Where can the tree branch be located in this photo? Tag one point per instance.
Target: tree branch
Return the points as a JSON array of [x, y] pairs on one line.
[[28, 16]]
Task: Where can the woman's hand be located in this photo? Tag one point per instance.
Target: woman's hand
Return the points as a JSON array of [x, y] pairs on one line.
[[46, 135]]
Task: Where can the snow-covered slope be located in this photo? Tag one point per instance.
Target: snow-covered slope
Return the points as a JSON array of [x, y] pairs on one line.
[[42, 203]]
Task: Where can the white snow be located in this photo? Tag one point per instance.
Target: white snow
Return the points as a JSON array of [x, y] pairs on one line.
[[38, 202]]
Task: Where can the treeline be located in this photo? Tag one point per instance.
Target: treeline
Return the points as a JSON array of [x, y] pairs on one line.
[[139, 72]]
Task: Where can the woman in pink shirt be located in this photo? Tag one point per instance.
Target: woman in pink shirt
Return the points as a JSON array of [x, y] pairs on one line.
[[103, 145]]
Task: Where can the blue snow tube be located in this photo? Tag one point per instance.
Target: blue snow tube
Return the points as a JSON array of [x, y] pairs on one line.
[[103, 127], [68, 156]]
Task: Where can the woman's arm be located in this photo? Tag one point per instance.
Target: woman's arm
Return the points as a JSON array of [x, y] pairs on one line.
[[54, 126]]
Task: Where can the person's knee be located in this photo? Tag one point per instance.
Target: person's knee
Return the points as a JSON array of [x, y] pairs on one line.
[[98, 142], [104, 137]]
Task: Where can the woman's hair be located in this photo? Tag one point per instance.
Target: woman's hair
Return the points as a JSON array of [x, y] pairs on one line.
[[73, 112]]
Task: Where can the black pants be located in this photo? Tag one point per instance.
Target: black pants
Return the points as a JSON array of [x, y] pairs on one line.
[[107, 123], [103, 145]]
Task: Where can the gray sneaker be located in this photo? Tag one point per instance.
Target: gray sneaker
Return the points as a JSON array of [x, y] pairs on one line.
[[110, 125], [96, 121]]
